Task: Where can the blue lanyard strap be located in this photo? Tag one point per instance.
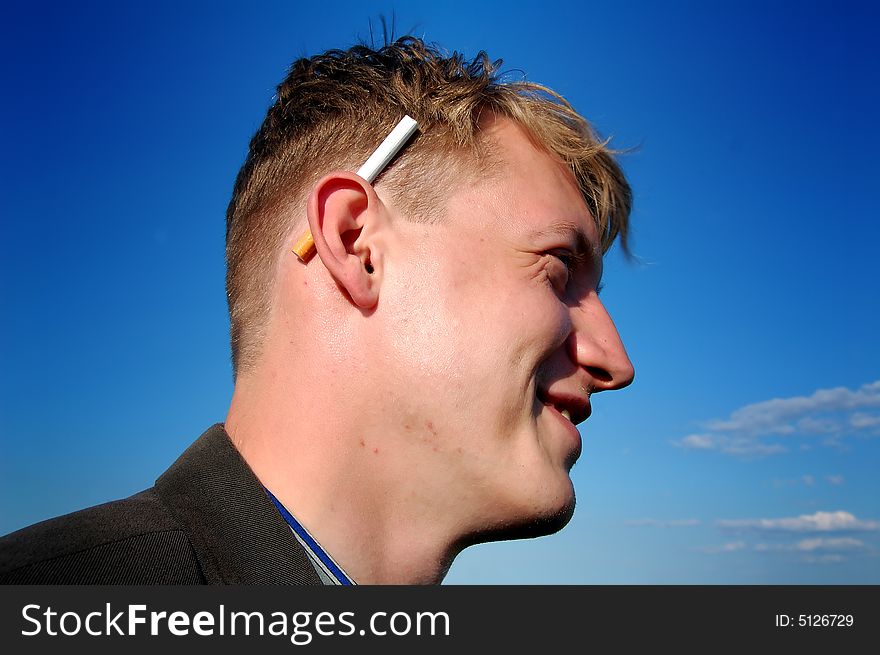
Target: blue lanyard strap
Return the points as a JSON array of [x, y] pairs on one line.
[[313, 545]]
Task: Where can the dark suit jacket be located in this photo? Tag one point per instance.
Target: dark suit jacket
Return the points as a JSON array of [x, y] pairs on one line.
[[207, 520]]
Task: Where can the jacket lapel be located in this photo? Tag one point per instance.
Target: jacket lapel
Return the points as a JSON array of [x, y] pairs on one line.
[[237, 533]]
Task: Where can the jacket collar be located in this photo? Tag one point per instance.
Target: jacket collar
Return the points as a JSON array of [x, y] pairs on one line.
[[237, 533]]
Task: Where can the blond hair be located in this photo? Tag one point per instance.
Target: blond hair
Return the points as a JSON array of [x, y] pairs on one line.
[[332, 110]]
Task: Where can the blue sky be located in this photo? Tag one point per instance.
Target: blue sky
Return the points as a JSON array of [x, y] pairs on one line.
[[746, 451]]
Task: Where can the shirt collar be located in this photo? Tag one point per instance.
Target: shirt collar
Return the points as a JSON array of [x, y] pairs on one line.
[[328, 570]]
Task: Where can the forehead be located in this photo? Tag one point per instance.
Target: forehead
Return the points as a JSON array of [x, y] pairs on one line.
[[526, 194]]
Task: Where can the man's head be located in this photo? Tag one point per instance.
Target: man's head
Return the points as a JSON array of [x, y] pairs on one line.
[[434, 357], [334, 108]]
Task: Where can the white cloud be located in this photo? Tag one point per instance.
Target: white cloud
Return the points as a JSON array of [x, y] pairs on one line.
[[807, 480], [861, 420], [774, 416], [829, 413], [813, 425], [816, 544], [836, 442], [835, 543], [836, 480], [656, 523], [744, 447], [730, 547], [823, 559], [819, 548], [819, 522], [699, 442]]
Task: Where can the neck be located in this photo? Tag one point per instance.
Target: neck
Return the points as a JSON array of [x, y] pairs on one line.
[[337, 469]]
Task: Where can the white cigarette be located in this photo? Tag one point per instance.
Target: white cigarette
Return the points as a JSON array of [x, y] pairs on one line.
[[392, 144], [387, 149]]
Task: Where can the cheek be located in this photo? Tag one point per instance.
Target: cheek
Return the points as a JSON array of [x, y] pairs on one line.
[[420, 329], [506, 318], [469, 334]]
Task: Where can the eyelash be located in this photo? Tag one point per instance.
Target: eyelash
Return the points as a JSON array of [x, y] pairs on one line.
[[572, 261]]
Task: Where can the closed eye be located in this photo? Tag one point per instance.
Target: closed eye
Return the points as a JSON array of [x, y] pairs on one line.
[[560, 269], [573, 262]]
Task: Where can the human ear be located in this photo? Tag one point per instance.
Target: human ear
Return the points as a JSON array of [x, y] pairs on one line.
[[344, 212]]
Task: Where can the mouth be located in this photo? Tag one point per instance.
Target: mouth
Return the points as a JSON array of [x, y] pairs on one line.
[[568, 415], [574, 408]]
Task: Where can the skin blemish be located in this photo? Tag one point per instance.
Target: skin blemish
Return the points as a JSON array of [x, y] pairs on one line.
[[430, 437], [375, 451], [362, 443]]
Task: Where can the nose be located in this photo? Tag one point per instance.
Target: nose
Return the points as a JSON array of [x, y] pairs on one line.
[[597, 347]]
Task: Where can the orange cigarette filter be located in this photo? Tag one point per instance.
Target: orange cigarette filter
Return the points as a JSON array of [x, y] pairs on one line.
[[305, 247]]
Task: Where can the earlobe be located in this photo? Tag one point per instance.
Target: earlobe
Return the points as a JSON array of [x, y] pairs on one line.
[[343, 211]]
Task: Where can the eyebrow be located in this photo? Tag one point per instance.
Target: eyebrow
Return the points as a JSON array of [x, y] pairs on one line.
[[582, 244]]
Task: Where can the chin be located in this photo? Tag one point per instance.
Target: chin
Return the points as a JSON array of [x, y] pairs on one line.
[[552, 520], [536, 520]]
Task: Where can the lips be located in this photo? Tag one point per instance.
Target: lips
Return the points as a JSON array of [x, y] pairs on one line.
[[575, 408]]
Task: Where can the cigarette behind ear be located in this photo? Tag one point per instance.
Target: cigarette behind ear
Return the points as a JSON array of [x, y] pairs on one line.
[[378, 160], [305, 247]]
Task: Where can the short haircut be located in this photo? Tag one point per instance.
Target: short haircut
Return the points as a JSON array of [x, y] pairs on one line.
[[333, 109]]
